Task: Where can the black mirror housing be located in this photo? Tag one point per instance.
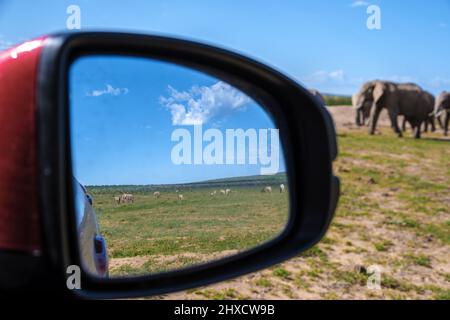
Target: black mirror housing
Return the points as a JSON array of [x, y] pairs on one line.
[[306, 131]]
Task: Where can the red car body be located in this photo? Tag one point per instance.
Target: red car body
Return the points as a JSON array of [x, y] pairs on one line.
[[20, 229], [19, 204]]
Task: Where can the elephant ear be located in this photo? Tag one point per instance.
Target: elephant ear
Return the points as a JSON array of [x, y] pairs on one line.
[[364, 94], [379, 92], [446, 101], [354, 100]]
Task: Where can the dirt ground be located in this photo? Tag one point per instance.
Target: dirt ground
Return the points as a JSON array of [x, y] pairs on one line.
[[344, 117], [392, 225]]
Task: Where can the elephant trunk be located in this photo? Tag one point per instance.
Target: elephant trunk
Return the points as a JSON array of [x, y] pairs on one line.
[[438, 110], [437, 113], [358, 117]]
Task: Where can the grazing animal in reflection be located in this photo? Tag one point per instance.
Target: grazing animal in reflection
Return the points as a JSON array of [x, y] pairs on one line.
[[227, 192], [213, 193], [282, 188], [157, 194], [223, 192], [117, 199], [267, 189], [126, 198], [180, 197]]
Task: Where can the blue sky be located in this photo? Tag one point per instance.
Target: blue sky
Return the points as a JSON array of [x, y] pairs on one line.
[[124, 111], [323, 44]]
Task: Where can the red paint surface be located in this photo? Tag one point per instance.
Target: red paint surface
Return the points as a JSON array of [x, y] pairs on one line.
[[19, 210]]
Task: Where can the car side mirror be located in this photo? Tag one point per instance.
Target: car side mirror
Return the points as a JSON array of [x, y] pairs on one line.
[[84, 81]]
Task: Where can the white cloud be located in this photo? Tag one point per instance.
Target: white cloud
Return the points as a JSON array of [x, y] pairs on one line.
[[321, 76], [400, 78], [338, 82], [443, 25], [336, 75], [359, 4], [340, 78], [110, 90], [332, 82], [201, 104]]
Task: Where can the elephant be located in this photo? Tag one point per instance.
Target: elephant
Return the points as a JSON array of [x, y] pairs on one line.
[[427, 101], [427, 107], [317, 95], [442, 107], [405, 99]]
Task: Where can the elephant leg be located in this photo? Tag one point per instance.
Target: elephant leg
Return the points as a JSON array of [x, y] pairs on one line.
[[425, 126], [446, 122], [439, 120], [358, 118], [373, 120], [404, 124], [394, 123], [417, 130], [433, 124]]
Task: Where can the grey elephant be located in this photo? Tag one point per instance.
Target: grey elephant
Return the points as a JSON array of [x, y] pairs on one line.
[[317, 95], [426, 101], [442, 108], [405, 99]]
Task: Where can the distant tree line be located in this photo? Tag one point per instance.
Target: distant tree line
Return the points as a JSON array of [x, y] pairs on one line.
[[337, 100], [248, 181]]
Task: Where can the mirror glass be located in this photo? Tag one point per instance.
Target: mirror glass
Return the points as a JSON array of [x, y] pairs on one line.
[[171, 167]]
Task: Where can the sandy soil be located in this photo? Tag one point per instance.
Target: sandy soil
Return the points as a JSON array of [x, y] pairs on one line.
[[344, 117]]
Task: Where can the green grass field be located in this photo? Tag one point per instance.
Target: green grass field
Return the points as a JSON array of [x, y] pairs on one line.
[[151, 235]]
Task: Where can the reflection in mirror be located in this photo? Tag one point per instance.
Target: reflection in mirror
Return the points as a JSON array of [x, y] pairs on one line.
[[172, 167]]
